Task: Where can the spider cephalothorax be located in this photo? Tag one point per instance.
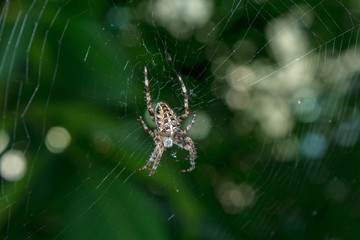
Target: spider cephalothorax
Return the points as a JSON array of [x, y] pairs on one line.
[[168, 130]]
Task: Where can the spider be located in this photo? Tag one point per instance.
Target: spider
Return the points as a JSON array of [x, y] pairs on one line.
[[168, 130]]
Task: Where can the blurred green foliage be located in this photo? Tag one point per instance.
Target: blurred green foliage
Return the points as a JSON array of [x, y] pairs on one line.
[[63, 64]]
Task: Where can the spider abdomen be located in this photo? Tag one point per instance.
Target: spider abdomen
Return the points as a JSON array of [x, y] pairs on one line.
[[165, 118]]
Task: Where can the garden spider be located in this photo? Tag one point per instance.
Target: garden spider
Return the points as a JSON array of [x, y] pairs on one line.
[[168, 130]]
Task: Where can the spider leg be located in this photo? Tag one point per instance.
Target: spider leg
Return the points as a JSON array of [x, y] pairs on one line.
[[146, 128], [187, 144], [159, 152], [148, 97], [186, 103], [183, 132], [155, 158], [151, 160]]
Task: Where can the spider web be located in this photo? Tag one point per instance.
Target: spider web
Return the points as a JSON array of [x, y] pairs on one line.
[[275, 86]]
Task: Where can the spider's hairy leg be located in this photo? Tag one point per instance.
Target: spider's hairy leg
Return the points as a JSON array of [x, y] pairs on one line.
[[145, 127], [159, 152], [148, 97], [187, 144], [151, 160], [186, 103], [192, 152], [188, 126]]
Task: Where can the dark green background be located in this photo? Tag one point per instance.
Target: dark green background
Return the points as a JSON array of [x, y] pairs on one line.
[[93, 191]]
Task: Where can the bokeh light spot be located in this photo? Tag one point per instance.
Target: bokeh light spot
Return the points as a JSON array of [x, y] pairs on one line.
[[240, 77], [233, 197], [12, 165], [57, 139], [119, 17], [313, 145], [237, 100], [273, 114], [347, 134], [305, 105], [201, 127], [181, 16]]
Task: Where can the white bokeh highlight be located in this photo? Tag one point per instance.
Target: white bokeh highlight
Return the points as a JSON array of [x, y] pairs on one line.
[[57, 139], [181, 16], [12, 165]]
